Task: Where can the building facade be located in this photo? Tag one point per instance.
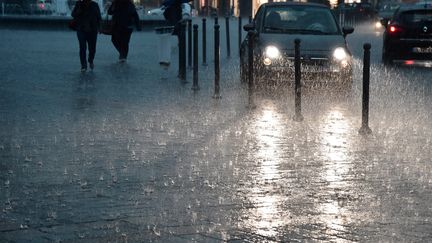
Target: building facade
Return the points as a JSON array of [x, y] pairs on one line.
[[243, 8]]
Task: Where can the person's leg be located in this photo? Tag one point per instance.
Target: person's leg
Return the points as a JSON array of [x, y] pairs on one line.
[[82, 49], [91, 39], [122, 45], [115, 39], [126, 39]]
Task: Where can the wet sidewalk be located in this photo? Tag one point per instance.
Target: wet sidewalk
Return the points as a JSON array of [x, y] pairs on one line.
[[128, 153]]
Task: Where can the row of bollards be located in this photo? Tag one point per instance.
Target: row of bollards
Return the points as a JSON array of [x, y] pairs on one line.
[[191, 57], [193, 54], [204, 38]]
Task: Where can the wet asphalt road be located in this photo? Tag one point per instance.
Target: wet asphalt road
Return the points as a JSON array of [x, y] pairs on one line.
[[129, 153]]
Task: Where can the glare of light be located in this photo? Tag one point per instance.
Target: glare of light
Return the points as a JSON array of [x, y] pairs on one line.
[[340, 54], [267, 61], [378, 25], [272, 52], [392, 29]]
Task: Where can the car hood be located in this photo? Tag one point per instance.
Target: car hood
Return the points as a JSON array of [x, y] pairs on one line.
[[310, 44]]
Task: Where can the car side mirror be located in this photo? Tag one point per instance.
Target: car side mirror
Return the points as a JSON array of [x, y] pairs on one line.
[[346, 30], [248, 27], [384, 22]]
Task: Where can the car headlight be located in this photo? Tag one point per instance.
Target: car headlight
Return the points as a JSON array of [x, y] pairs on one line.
[[340, 54], [272, 52], [378, 25]]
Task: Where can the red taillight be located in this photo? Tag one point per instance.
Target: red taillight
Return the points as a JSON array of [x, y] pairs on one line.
[[395, 29], [409, 62]]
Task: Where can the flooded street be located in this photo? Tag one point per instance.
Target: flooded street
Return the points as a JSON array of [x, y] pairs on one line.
[[129, 153]]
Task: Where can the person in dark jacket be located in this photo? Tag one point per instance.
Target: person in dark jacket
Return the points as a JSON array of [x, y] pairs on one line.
[[173, 13], [87, 16], [124, 17]]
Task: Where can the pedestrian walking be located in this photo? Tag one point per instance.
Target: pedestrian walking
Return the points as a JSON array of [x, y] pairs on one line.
[[174, 13], [124, 17], [87, 17]]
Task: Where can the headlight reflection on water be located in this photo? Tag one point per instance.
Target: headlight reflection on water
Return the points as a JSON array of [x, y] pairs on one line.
[[334, 147], [267, 129], [269, 214]]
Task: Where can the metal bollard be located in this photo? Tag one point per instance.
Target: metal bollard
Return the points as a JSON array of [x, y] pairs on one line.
[[204, 41], [251, 85], [364, 130], [239, 32], [216, 20], [217, 61], [195, 58], [227, 31], [182, 52], [297, 73], [189, 43]]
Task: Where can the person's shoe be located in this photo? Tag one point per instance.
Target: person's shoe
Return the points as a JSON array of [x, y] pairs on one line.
[[91, 66], [122, 60], [164, 64], [83, 69]]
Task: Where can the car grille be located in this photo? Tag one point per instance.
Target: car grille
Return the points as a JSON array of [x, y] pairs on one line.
[[307, 60]]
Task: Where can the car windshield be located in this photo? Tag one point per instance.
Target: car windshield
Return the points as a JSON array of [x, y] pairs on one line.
[[299, 20], [417, 17]]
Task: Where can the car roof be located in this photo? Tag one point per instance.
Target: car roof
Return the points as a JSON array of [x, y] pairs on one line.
[[294, 4]]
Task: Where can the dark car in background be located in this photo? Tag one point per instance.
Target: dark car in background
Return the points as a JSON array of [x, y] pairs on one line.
[[323, 48], [42, 7], [385, 12], [356, 12], [408, 35]]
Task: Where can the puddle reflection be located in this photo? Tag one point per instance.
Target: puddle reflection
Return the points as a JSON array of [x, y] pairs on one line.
[[334, 146], [267, 216]]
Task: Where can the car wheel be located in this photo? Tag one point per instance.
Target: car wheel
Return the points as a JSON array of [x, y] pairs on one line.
[[386, 58]]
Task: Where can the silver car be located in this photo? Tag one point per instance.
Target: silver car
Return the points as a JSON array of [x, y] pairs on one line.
[[323, 48]]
